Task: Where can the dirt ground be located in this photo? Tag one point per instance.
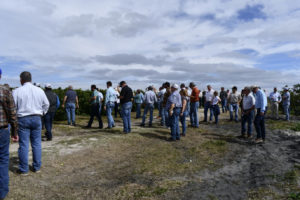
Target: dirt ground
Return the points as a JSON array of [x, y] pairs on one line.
[[211, 162]]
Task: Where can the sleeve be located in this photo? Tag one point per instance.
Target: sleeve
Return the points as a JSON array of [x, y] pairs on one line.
[[12, 113], [45, 103], [264, 102]]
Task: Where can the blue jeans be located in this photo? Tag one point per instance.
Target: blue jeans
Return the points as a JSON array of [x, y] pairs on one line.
[[286, 109], [117, 110], [234, 107], [259, 123], [164, 116], [110, 120], [138, 110], [70, 109], [30, 128], [247, 119], [175, 133], [207, 106], [48, 124], [216, 111], [194, 114], [95, 112], [159, 106], [148, 107], [126, 116], [183, 122], [224, 105], [4, 162]]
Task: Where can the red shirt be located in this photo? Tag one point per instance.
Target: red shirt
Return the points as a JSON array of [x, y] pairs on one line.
[[195, 94]]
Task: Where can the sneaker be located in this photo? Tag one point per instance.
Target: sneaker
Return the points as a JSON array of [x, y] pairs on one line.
[[259, 141], [249, 136], [22, 173]]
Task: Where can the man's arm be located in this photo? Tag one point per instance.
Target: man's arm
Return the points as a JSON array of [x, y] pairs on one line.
[[77, 102], [12, 116], [64, 102], [46, 103]]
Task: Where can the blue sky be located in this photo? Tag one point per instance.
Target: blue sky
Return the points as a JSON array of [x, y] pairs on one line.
[[218, 42]]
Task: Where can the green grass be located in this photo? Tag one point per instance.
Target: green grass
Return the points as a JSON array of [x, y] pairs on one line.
[[296, 127]]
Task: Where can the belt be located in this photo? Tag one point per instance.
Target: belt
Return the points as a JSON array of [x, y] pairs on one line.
[[35, 115]]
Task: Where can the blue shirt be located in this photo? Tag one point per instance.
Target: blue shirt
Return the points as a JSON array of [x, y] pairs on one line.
[[287, 99], [138, 98], [110, 95], [261, 100], [71, 96], [150, 97], [95, 94], [174, 98]]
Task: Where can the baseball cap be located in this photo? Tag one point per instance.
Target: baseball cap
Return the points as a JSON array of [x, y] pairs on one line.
[[175, 86], [48, 85]]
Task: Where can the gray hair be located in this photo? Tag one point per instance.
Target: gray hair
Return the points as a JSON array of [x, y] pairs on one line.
[[70, 87]]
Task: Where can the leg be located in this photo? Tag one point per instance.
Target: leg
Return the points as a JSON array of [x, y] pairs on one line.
[[24, 135], [192, 116], [163, 117], [73, 108], [177, 113], [145, 114], [231, 112], [196, 119], [263, 128], [244, 120], [108, 114], [173, 126], [236, 112], [151, 114], [92, 115], [250, 121], [35, 139], [276, 110], [205, 110], [99, 116], [68, 111], [4, 162], [211, 112], [257, 125]]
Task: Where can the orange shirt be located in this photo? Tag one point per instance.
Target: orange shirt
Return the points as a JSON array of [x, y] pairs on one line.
[[195, 94]]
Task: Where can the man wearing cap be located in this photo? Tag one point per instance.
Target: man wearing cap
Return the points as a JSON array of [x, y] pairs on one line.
[[174, 105], [286, 97], [248, 108], [110, 99], [71, 102], [275, 99], [194, 98], [32, 104], [126, 97], [48, 118], [95, 107], [260, 106], [149, 100], [234, 100], [8, 117], [209, 95]]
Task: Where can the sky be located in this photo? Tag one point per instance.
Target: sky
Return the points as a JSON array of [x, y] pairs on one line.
[[217, 42]]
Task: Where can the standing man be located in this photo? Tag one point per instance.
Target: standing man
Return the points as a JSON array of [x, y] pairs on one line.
[[49, 117], [160, 97], [149, 100], [247, 112], [165, 114], [8, 118], [286, 97], [110, 99], [138, 100], [223, 96], [126, 97], [260, 106], [194, 98], [71, 103], [32, 104], [174, 106], [275, 99], [95, 107], [234, 100], [209, 95]]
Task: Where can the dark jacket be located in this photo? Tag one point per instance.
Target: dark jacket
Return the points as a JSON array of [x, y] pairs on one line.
[[52, 98]]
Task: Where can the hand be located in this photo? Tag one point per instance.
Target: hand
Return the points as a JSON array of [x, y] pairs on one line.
[[15, 138], [77, 106], [262, 113], [63, 106], [181, 114], [104, 107], [170, 113]]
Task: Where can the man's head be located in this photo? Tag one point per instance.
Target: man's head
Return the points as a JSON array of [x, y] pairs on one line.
[[122, 84], [192, 85], [93, 87], [167, 85], [150, 88], [222, 88], [138, 91], [174, 87], [48, 86], [275, 89], [70, 87], [182, 86], [254, 88], [25, 77], [285, 89], [234, 89], [247, 90], [108, 84], [208, 87]]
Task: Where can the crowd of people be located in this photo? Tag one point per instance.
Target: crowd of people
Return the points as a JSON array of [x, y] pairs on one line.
[[26, 109]]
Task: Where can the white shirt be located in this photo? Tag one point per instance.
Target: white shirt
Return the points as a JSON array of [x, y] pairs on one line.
[[209, 95], [30, 100], [150, 97], [100, 95], [248, 101], [216, 100], [275, 97]]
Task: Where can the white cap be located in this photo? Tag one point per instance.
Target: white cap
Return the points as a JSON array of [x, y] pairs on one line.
[[175, 86], [285, 88], [48, 85]]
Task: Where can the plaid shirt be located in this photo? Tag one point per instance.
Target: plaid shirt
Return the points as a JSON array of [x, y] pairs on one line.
[[8, 110]]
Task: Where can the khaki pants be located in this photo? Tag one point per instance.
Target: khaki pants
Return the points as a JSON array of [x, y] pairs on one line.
[[274, 109]]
